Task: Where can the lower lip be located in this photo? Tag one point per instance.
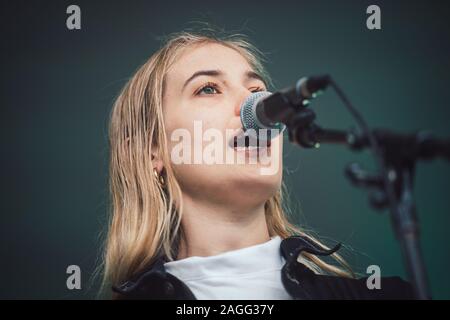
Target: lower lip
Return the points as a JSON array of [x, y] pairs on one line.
[[252, 150]]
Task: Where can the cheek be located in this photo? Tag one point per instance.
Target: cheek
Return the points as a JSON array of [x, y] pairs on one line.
[[211, 114], [196, 120], [189, 135]]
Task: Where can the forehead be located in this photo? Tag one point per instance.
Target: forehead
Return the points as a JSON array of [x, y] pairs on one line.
[[210, 56]]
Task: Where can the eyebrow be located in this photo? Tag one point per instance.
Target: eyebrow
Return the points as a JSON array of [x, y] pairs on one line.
[[217, 73]]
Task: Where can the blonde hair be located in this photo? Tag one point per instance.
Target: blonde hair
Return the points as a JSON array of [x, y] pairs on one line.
[[146, 218]]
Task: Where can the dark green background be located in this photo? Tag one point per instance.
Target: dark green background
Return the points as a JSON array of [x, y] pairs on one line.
[[58, 87]]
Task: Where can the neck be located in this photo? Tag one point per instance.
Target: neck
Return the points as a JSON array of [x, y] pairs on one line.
[[210, 229]]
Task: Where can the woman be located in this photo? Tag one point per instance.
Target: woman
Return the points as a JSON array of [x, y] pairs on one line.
[[207, 230]]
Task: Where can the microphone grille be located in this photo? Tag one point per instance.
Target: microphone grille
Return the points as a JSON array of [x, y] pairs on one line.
[[248, 114], [250, 120]]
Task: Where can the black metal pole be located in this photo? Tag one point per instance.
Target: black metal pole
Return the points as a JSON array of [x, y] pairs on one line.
[[403, 212], [407, 231]]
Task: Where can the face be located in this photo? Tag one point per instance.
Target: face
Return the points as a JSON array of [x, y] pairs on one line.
[[204, 91]]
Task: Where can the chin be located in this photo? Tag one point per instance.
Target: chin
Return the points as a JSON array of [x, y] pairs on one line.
[[250, 181], [257, 196]]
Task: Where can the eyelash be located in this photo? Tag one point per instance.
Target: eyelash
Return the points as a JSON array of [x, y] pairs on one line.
[[215, 86]]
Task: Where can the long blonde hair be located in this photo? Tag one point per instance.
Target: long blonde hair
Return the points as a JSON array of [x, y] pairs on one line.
[[146, 218]]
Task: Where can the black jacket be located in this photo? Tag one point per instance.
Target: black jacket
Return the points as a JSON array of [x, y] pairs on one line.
[[299, 281]]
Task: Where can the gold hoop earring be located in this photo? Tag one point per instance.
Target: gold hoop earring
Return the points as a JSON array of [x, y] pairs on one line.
[[159, 178]]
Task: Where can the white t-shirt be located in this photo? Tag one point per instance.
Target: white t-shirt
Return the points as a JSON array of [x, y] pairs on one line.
[[248, 273]]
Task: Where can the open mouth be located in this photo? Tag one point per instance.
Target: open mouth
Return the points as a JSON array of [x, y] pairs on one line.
[[243, 141]]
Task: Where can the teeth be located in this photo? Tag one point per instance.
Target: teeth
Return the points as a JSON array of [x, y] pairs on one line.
[[262, 144], [249, 148]]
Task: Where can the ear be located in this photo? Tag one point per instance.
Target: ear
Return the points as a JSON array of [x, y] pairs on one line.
[[157, 162]]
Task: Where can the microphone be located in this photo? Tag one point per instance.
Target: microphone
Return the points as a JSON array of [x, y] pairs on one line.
[[265, 110]]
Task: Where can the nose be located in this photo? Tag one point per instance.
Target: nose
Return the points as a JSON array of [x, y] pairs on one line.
[[241, 97]]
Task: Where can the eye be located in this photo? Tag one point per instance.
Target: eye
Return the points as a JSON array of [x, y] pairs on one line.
[[258, 90], [208, 89]]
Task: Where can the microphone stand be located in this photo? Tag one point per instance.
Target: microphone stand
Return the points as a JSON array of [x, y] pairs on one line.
[[392, 188]]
